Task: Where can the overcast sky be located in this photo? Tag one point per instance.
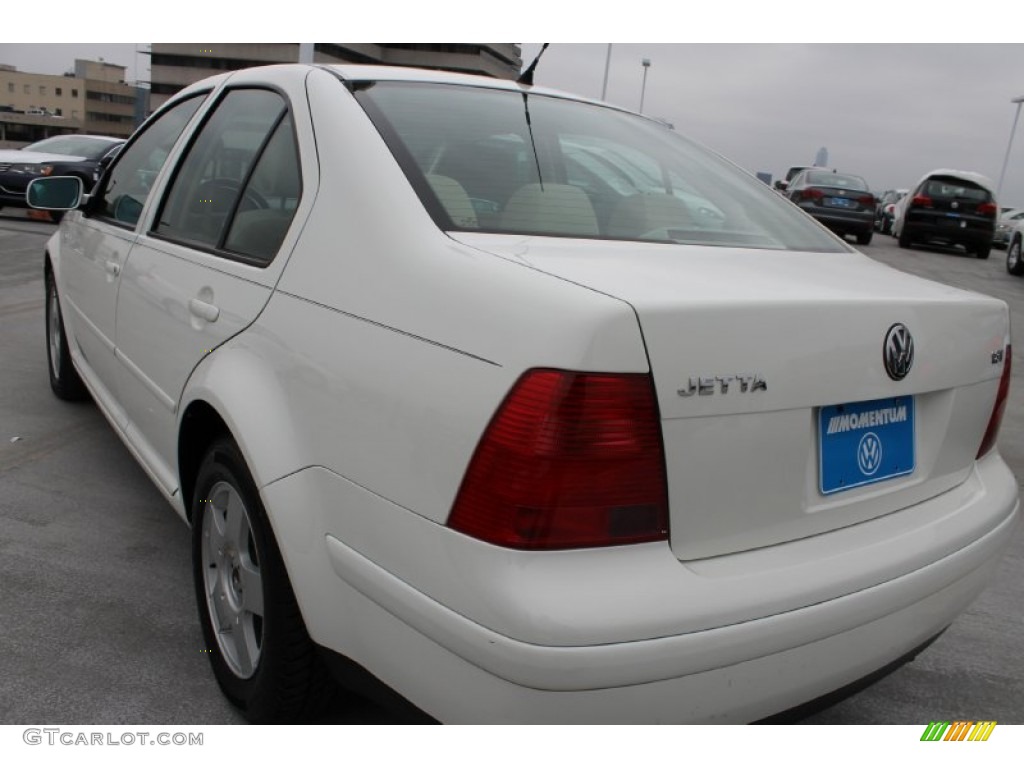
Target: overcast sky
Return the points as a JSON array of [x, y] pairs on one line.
[[887, 112]]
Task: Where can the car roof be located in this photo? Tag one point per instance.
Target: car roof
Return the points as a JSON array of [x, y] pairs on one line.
[[378, 73]]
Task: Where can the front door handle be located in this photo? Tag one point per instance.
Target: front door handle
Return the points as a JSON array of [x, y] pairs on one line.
[[201, 309], [113, 267]]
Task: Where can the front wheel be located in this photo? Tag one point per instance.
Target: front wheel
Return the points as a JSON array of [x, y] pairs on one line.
[[64, 379], [1014, 263], [262, 656]]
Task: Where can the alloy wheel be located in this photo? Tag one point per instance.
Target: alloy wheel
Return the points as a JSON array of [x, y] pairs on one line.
[[54, 330], [232, 581]]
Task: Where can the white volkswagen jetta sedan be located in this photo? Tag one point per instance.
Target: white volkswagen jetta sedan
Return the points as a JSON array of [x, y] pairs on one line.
[[523, 405]]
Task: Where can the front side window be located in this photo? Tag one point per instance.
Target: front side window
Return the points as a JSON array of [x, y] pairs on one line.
[[131, 178], [238, 186], [501, 161]]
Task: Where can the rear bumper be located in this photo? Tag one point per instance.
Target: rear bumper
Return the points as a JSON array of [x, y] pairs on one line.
[[454, 666], [843, 221], [973, 234]]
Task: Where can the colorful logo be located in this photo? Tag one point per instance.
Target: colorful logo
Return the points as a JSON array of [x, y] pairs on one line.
[[960, 730]]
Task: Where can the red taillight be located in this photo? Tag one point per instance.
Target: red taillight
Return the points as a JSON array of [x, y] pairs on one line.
[[987, 209], [922, 201], [569, 460], [867, 201], [992, 431], [811, 193]]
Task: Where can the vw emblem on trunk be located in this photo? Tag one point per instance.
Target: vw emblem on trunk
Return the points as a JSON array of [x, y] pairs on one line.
[[898, 352]]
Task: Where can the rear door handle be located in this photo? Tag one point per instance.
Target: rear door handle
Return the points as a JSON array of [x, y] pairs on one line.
[[202, 309], [113, 267]]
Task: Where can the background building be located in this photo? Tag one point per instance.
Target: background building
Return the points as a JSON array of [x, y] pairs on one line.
[[93, 98], [175, 65], [109, 100]]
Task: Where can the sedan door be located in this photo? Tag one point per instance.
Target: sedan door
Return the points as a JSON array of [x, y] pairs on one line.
[[95, 247], [210, 257]]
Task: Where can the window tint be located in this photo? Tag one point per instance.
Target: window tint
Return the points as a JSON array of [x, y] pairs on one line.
[[216, 182], [275, 184], [502, 161], [829, 179], [131, 179], [953, 188]]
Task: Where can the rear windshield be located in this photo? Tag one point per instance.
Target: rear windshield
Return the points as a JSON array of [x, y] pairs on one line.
[[841, 180], [955, 189], [488, 160]]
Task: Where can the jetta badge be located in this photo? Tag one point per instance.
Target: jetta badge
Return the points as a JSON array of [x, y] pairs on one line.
[[708, 385], [898, 352]]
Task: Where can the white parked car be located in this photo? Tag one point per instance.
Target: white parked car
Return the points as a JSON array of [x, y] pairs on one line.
[[448, 388], [1008, 220], [1014, 259]]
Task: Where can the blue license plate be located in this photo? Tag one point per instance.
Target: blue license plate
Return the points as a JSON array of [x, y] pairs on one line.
[[841, 202], [864, 443]]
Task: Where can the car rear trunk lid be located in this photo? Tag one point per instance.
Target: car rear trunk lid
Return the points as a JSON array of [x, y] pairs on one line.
[[752, 354]]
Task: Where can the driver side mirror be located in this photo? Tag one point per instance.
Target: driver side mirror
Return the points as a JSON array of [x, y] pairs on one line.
[[55, 193]]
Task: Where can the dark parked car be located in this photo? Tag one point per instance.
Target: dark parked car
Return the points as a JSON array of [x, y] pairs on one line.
[[950, 208], [840, 201], [885, 210], [69, 155]]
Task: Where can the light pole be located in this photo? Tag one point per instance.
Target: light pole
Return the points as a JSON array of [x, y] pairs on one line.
[[607, 66], [1009, 145], [646, 64]]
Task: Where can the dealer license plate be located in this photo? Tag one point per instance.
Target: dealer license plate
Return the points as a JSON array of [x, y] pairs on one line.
[[864, 443]]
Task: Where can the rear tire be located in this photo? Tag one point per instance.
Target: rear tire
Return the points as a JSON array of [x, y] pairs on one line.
[[1014, 262], [261, 654], [864, 238], [64, 379], [904, 239], [983, 251]]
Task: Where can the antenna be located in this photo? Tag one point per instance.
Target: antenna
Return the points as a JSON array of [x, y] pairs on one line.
[[527, 77]]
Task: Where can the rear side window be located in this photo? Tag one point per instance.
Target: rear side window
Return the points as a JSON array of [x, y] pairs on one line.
[[131, 179], [238, 186]]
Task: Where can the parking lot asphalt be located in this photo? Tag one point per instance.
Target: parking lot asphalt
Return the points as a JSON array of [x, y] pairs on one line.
[[97, 614]]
